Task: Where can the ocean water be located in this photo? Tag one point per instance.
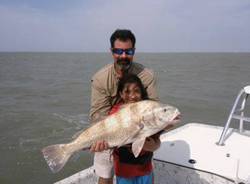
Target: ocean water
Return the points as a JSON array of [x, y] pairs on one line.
[[45, 99]]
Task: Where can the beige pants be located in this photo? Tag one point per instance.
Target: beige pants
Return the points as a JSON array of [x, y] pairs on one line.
[[103, 164]]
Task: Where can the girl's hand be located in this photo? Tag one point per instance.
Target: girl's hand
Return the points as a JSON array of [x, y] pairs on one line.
[[151, 144], [99, 146]]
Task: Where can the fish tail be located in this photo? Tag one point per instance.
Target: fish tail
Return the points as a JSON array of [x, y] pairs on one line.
[[56, 156]]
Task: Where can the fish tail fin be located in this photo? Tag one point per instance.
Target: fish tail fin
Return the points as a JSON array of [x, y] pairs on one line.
[[56, 156]]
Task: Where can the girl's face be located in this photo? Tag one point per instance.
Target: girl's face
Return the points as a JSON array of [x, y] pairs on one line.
[[131, 93]]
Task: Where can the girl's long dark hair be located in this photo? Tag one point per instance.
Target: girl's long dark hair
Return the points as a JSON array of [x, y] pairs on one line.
[[129, 79]]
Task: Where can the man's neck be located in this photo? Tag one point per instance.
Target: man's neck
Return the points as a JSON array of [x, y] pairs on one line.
[[121, 73]]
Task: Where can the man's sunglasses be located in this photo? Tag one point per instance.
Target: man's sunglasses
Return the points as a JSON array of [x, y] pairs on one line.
[[120, 51]]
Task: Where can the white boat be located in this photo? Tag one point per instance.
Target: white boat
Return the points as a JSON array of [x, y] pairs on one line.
[[197, 153]]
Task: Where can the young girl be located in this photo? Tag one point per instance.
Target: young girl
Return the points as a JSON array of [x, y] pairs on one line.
[[128, 169]]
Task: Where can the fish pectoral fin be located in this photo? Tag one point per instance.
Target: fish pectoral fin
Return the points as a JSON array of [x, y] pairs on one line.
[[137, 146], [133, 134]]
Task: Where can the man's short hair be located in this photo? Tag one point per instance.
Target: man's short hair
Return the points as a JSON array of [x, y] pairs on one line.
[[123, 35]]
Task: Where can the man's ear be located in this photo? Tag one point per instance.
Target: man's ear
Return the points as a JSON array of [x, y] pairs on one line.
[[111, 50]]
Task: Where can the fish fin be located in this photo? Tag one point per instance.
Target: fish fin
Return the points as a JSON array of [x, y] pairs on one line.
[[126, 141], [56, 156], [137, 146]]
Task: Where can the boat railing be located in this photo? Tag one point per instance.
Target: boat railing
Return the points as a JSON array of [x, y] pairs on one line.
[[236, 113]]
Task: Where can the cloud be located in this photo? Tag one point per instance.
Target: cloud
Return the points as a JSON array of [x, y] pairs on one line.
[[165, 26]]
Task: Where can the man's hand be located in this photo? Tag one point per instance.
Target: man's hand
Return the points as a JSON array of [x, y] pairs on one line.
[[99, 146]]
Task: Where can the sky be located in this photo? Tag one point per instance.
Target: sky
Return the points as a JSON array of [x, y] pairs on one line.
[[159, 25]]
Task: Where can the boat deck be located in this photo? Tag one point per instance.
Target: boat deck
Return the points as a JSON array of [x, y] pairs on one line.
[[194, 146]]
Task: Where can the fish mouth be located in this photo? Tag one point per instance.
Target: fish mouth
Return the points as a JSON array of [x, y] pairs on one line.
[[176, 119]]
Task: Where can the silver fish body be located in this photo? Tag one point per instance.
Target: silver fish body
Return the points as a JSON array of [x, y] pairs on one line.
[[132, 123]]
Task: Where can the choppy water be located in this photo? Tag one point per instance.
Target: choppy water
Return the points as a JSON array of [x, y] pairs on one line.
[[45, 99]]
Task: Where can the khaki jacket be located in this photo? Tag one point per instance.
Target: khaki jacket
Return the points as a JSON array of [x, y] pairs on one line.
[[105, 84]]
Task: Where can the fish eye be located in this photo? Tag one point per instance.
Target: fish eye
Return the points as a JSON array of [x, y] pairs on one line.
[[164, 110]]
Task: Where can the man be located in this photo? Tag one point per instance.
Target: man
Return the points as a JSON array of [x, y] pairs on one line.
[[104, 88]]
